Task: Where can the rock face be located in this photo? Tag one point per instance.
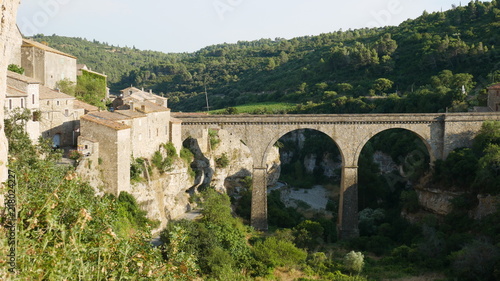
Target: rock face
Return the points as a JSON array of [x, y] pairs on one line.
[[8, 34], [228, 178], [436, 201], [165, 197]]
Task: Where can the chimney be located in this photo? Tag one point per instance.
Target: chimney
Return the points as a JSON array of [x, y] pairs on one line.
[[131, 105], [151, 91]]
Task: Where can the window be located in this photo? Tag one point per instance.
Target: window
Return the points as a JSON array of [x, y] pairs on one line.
[[48, 102], [86, 147], [33, 99], [157, 132], [66, 112], [22, 103], [57, 102], [10, 104]]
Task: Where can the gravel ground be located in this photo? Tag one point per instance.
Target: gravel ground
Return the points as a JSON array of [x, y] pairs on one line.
[[316, 197]]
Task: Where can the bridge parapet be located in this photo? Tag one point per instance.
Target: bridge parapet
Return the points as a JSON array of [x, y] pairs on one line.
[[441, 133]]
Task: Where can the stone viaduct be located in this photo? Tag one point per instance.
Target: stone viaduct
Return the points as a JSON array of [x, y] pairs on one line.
[[441, 133]]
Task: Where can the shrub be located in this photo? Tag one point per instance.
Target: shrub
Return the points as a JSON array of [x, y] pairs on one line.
[[75, 155], [213, 138], [354, 262], [274, 252], [222, 161], [476, 261]]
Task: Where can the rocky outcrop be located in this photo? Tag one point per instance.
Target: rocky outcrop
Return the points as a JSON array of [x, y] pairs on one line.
[[8, 35], [487, 205], [165, 196], [436, 201], [229, 178]]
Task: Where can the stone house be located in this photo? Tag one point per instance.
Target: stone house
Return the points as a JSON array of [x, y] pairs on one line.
[[494, 97], [133, 93], [60, 117], [46, 64], [136, 130], [24, 93]]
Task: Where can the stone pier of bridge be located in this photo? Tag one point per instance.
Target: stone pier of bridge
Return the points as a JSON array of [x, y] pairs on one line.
[[441, 133]]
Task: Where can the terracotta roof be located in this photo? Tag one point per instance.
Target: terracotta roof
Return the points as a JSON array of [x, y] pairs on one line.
[[149, 107], [13, 92], [130, 113], [49, 94], [108, 123], [84, 105], [494, 87], [112, 116], [31, 43], [22, 78]]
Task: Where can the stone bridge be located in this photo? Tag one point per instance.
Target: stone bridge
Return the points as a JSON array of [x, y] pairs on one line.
[[441, 133]]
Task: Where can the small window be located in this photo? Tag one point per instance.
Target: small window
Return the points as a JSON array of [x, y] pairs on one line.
[[67, 102], [66, 112], [22, 103], [33, 99], [10, 104], [57, 102], [48, 102], [157, 132], [86, 147]]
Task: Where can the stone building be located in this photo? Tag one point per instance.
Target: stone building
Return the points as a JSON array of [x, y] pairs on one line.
[[24, 93], [60, 117], [46, 64], [494, 97], [134, 94], [136, 130]]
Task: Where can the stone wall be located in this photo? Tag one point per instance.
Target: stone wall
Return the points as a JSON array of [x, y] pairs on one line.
[[8, 35], [114, 151], [494, 98], [60, 117], [57, 68]]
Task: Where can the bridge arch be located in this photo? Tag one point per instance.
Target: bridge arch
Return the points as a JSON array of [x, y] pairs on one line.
[[284, 132], [423, 136]]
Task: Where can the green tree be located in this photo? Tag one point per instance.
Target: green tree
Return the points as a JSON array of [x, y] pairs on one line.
[[382, 84], [354, 262]]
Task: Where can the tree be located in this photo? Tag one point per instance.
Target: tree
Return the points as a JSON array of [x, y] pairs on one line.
[[382, 84], [354, 262]]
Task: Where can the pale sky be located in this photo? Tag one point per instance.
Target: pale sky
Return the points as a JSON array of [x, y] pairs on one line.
[[189, 25]]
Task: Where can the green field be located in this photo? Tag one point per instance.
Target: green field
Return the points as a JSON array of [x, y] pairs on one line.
[[259, 108]]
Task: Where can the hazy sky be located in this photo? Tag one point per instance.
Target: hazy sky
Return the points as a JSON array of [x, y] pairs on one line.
[[188, 25]]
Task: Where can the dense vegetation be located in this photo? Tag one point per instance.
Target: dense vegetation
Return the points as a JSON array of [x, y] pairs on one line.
[[66, 232], [421, 65]]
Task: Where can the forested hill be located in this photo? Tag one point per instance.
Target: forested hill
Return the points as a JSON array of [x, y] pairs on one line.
[[422, 65]]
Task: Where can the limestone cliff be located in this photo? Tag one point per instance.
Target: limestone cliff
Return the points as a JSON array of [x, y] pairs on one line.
[[227, 178], [8, 34], [167, 196]]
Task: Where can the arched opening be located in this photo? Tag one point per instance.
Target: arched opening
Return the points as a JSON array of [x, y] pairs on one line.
[[56, 141], [390, 166], [308, 184]]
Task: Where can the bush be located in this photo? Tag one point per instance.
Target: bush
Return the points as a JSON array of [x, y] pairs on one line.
[[222, 162], [476, 261], [354, 262], [274, 252]]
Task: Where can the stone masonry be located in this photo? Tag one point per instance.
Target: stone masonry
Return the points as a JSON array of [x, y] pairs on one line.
[[8, 34], [441, 133]]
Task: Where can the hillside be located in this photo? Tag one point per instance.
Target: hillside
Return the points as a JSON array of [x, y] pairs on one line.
[[328, 73]]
